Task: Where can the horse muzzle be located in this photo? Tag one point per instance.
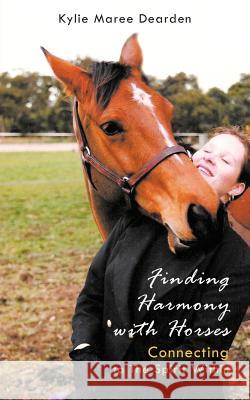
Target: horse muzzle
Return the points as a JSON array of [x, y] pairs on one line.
[[206, 229]]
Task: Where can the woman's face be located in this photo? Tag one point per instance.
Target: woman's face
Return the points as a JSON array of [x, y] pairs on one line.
[[220, 162]]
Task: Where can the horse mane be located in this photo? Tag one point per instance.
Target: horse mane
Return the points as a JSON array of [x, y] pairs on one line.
[[186, 146], [106, 77]]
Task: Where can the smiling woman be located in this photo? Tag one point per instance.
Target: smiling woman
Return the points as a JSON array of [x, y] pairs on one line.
[[224, 162]]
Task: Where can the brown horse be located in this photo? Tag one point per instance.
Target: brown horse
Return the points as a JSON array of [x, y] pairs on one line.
[[125, 127]]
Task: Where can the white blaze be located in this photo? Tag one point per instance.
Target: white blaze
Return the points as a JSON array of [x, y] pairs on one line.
[[168, 141], [142, 97]]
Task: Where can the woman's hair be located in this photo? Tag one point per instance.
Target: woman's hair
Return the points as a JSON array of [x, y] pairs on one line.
[[245, 140]]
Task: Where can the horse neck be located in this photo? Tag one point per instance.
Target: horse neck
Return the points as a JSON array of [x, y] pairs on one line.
[[105, 213]]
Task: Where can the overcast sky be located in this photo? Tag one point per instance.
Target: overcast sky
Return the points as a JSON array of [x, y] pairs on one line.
[[214, 47]]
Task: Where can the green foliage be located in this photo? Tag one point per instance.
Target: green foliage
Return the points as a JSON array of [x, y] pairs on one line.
[[84, 63], [180, 83], [239, 107], [33, 103], [30, 102], [196, 111]]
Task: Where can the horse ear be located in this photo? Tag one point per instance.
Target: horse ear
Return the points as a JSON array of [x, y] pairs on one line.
[[74, 78], [131, 53]]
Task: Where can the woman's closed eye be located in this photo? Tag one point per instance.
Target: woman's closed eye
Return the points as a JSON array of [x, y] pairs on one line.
[[227, 159], [207, 151]]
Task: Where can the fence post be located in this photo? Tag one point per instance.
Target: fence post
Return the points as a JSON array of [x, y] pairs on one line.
[[203, 138]]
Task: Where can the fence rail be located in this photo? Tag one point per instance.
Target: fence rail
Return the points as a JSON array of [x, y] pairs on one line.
[[40, 134]]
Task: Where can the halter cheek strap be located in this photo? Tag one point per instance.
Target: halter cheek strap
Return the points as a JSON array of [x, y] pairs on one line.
[[127, 184]]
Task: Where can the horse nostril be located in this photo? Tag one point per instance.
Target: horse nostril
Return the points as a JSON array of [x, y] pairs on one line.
[[200, 221]]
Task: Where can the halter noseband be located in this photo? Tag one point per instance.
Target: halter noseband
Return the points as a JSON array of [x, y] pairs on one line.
[[127, 184]]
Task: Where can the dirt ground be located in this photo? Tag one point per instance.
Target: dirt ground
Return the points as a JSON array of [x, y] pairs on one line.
[[36, 308]]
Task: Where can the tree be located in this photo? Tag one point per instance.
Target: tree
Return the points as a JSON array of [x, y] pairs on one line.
[[180, 83], [222, 101], [84, 63], [238, 109], [25, 102], [194, 111], [34, 103]]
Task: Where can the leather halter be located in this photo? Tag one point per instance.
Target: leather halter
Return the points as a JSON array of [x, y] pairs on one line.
[[127, 184]]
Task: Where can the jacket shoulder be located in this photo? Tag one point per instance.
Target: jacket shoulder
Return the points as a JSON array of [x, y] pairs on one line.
[[233, 253], [133, 218], [127, 219], [232, 238]]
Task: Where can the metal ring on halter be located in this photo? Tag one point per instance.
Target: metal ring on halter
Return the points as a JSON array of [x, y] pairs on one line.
[[126, 186], [87, 150]]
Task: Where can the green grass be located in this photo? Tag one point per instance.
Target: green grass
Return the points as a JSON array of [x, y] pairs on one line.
[[44, 207]]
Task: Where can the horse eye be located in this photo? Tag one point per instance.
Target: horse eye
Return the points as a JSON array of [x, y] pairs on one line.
[[112, 128]]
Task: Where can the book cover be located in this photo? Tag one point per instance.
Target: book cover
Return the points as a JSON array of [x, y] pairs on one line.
[[141, 85]]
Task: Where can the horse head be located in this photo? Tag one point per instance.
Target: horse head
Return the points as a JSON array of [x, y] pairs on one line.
[[127, 124]]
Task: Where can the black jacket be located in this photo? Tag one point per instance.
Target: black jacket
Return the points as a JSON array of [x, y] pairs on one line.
[[119, 275]]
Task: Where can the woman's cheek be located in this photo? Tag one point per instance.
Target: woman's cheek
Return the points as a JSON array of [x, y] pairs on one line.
[[227, 182], [196, 160], [230, 175]]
